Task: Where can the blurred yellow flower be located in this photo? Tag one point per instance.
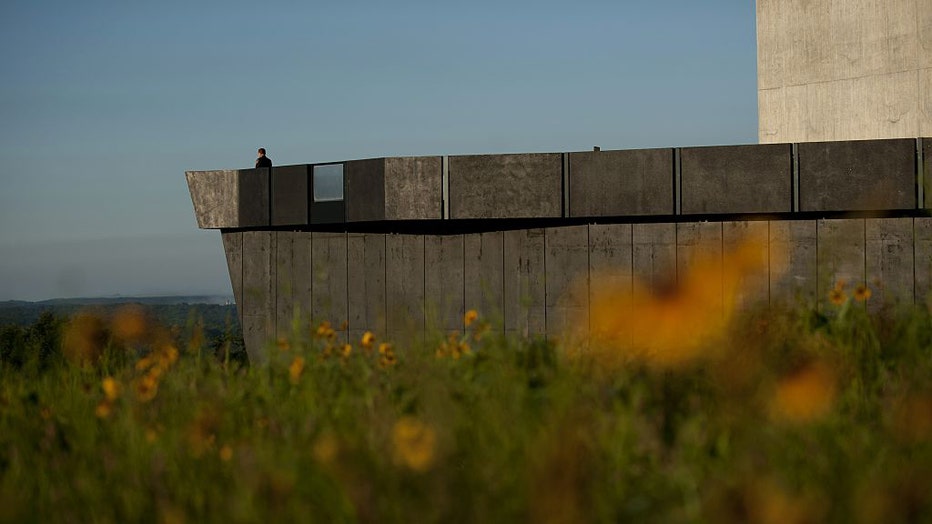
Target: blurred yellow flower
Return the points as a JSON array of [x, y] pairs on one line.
[[283, 344], [103, 409], [347, 350], [325, 330], [671, 327], [367, 340], [470, 317], [460, 349], [325, 448], [414, 444], [130, 324], [84, 338], [296, 369], [111, 388], [862, 293], [804, 395], [387, 355], [837, 296], [226, 453], [147, 387]]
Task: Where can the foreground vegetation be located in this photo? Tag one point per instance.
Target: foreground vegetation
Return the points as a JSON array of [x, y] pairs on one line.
[[783, 416]]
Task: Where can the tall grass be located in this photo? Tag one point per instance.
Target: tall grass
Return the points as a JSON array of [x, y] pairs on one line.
[[798, 415]]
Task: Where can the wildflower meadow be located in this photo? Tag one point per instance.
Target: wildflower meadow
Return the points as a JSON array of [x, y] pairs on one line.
[[666, 413]]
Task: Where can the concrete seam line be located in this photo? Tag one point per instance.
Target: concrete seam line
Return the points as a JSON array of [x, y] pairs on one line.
[[794, 183], [920, 176]]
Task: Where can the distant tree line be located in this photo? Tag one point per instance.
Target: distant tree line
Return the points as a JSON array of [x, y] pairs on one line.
[[31, 335]]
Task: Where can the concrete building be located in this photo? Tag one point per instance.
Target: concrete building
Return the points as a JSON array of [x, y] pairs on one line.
[[400, 246], [844, 69]]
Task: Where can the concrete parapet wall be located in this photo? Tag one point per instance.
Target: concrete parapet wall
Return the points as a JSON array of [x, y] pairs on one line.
[[870, 175], [539, 282]]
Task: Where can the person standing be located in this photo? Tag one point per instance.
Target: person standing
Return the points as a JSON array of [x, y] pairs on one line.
[[262, 160]]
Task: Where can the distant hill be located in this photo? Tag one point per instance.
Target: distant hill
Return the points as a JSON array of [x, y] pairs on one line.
[[105, 301], [218, 312]]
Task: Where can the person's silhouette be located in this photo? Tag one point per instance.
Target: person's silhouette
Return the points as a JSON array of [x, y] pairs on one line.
[[262, 160]]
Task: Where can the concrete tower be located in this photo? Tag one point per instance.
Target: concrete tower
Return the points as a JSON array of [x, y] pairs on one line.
[[844, 69]]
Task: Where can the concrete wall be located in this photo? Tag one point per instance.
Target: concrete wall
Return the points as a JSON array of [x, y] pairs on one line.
[[870, 175], [539, 282], [844, 69]]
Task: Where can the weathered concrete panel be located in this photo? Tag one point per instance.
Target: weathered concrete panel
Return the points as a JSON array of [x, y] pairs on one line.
[[611, 258], [842, 70], [841, 255], [506, 186], [923, 231], [524, 283], [413, 188], [567, 263], [284, 282], [654, 255], [404, 286], [230, 198], [618, 183], [215, 195], [927, 167], [889, 259], [290, 195], [253, 198], [302, 275], [329, 286], [366, 281], [365, 190], [699, 256], [258, 292], [793, 261], [233, 248], [483, 265], [293, 281], [445, 282], [925, 96], [737, 179], [849, 176], [746, 263]]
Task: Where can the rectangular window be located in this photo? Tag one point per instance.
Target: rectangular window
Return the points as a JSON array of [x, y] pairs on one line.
[[328, 183]]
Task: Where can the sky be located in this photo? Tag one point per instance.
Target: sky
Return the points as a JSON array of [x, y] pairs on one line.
[[105, 105]]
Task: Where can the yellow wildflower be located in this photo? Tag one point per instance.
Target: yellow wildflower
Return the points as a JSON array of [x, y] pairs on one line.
[[804, 395], [147, 387], [103, 409], [862, 293], [470, 317], [672, 326], [460, 349], [295, 369], [325, 330], [325, 448], [347, 350], [226, 453], [837, 296], [367, 340], [130, 324], [414, 444], [84, 338], [111, 388], [387, 358], [283, 344]]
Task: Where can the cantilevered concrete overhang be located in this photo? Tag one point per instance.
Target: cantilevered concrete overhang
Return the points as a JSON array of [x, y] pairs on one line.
[[399, 245]]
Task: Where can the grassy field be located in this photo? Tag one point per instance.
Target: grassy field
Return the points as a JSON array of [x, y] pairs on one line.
[[799, 415]]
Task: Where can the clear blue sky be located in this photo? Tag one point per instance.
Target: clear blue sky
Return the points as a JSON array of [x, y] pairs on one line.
[[104, 105]]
